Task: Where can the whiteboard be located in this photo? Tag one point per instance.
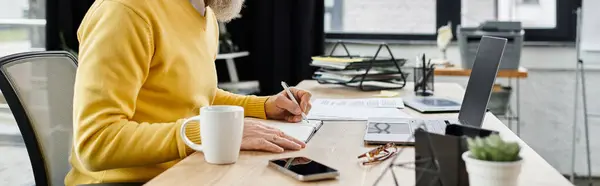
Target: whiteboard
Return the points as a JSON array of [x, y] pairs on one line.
[[590, 25]]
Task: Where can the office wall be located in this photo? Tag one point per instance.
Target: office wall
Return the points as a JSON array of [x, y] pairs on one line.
[[547, 98]]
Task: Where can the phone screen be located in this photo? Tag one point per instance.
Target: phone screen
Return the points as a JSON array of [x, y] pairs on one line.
[[303, 166]]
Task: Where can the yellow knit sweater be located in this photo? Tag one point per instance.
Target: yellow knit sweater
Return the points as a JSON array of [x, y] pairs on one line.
[[145, 65]]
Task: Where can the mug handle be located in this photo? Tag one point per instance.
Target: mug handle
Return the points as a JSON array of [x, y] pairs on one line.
[[186, 140]]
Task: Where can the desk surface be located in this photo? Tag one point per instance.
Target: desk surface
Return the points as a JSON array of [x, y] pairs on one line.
[[457, 71], [337, 144]]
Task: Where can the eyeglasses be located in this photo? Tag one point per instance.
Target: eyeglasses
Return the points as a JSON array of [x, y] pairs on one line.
[[379, 154]]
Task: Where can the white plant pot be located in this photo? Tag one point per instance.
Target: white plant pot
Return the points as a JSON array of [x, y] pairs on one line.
[[488, 173]]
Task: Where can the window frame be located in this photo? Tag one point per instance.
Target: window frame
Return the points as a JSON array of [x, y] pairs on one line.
[[450, 10]]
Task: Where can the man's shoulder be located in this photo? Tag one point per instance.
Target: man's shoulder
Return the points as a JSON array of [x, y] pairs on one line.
[[137, 6], [144, 9], [133, 10]]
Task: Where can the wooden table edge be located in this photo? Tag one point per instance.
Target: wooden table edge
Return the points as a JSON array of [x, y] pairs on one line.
[[505, 73]]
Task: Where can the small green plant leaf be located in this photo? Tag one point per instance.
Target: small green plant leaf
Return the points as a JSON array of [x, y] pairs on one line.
[[493, 148]]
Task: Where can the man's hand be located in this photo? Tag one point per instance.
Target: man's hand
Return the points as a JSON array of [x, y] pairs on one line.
[[281, 107], [257, 136]]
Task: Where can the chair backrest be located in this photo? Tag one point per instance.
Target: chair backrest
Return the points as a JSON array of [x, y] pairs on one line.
[[38, 87]]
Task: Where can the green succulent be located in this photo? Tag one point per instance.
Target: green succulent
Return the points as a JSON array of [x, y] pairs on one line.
[[493, 148]]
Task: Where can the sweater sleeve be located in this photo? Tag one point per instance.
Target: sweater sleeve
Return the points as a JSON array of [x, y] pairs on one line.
[[254, 106], [115, 52]]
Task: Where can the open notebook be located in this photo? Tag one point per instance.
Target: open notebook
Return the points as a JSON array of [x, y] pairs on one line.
[[301, 131]]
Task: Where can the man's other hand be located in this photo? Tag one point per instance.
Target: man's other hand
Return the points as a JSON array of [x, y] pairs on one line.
[[257, 136]]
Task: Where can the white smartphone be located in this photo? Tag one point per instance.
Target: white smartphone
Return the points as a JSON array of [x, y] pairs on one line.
[[304, 169]]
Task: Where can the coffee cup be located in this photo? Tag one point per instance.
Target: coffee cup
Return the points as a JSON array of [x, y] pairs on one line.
[[221, 130]]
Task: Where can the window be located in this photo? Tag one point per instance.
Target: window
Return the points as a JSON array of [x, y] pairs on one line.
[[22, 26], [475, 12], [388, 19], [543, 20], [381, 16], [532, 13]]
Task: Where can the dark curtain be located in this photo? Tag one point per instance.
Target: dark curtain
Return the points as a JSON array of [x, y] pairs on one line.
[[281, 36], [62, 20]]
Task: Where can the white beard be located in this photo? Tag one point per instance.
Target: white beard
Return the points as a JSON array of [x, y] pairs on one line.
[[225, 10]]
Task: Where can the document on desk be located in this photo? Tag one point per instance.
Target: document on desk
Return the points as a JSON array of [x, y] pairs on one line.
[[301, 130], [363, 102], [345, 113]]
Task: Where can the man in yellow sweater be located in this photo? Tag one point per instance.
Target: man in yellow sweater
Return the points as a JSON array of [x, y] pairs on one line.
[[145, 65]]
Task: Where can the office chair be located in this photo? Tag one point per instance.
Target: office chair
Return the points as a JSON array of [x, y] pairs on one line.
[[38, 87]]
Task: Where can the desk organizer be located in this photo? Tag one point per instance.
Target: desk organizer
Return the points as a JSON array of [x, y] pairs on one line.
[[367, 74], [424, 80]]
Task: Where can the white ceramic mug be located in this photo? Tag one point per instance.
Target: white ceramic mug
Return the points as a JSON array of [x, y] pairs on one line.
[[221, 130]]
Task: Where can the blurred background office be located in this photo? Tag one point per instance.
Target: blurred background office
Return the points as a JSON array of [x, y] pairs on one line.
[[274, 41]]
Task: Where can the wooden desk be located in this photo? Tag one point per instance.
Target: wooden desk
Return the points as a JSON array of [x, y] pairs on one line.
[[454, 71], [337, 144]]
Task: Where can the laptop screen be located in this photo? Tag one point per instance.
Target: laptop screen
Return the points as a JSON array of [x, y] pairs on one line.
[[481, 81]]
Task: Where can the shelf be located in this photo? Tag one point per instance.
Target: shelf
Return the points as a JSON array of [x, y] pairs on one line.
[[23, 22], [505, 73], [243, 87], [232, 55]]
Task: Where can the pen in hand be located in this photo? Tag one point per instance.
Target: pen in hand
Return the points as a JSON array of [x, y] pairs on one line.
[[289, 93]]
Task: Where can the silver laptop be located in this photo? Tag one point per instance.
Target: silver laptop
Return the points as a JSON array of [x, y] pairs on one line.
[[472, 109], [432, 104]]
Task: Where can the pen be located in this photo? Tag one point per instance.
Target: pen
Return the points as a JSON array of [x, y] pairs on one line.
[[424, 71], [287, 90], [423, 61]]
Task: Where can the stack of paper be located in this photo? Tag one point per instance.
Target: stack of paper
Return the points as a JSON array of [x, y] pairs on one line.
[[334, 62], [357, 109], [353, 113], [353, 75], [367, 102]]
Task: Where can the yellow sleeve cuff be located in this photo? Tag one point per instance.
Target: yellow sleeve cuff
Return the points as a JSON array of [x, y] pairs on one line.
[[255, 107]]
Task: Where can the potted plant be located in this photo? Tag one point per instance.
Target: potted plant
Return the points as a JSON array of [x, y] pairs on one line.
[[492, 161]]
